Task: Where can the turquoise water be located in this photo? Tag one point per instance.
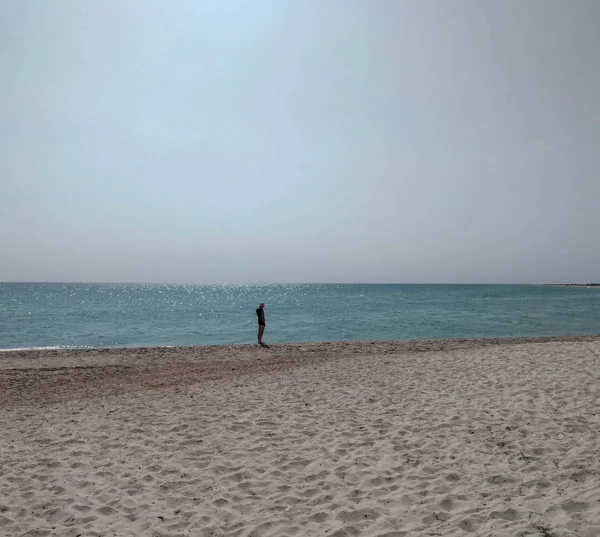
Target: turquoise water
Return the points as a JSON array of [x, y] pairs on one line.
[[106, 315]]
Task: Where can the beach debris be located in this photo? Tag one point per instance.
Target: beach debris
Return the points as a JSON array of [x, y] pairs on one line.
[[544, 530]]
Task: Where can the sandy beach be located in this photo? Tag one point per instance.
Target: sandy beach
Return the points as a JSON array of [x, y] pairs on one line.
[[434, 438]]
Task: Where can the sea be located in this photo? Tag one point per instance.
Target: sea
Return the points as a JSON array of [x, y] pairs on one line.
[[67, 315]]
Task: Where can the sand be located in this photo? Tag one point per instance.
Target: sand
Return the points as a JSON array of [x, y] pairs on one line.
[[484, 438]]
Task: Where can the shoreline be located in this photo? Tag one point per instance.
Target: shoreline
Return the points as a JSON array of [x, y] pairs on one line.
[[399, 344], [584, 285]]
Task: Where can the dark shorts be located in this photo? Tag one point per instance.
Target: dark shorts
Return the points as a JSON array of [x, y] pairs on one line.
[[261, 324]]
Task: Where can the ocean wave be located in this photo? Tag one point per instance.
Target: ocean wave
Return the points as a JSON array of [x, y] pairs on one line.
[[55, 348]]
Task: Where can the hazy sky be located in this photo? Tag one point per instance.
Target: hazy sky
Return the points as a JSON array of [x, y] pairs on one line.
[[300, 141]]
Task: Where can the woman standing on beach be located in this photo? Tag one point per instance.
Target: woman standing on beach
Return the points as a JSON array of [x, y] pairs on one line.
[[260, 312]]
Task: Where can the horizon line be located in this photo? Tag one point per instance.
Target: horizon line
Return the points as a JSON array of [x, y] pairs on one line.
[[91, 282]]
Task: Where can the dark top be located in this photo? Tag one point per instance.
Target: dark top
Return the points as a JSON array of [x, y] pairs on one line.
[[261, 316]]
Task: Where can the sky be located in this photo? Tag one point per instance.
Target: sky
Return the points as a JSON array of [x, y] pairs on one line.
[[300, 141]]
